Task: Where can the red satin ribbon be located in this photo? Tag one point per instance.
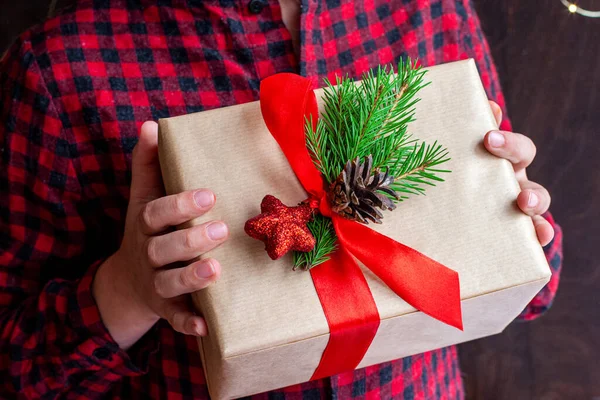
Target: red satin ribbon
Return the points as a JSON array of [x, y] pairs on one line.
[[286, 100]]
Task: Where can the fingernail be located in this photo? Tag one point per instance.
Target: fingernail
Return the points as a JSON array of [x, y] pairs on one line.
[[532, 200], [217, 230], [204, 198], [496, 139], [205, 270]]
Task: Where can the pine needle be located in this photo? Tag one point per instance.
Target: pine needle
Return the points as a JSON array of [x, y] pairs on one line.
[[322, 229], [368, 118], [371, 118]]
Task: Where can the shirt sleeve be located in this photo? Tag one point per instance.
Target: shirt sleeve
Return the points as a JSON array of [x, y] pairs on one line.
[[52, 339], [475, 45]]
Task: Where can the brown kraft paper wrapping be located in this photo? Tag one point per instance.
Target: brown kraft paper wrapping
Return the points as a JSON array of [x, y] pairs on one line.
[[266, 326]]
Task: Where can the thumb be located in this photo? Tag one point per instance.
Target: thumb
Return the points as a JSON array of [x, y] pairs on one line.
[[146, 181]]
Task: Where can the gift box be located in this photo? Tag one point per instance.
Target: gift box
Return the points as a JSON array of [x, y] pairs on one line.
[[267, 326]]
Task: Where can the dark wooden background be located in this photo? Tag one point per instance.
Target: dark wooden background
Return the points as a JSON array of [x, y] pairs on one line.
[[549, 63]]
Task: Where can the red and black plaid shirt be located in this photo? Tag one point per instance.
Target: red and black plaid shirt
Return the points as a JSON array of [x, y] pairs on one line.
[[74, 92]]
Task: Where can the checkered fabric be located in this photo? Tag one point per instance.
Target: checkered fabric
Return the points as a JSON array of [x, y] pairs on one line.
[[74, 92]]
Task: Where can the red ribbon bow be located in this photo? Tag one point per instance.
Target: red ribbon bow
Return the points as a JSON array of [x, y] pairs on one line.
[[285, 100]]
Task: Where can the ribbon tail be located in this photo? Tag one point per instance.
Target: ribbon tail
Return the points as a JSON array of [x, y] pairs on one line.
[[425, 284], [350, 310]]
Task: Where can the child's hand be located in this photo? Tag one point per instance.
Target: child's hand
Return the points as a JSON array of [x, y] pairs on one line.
[[534, 199], [139, 284]]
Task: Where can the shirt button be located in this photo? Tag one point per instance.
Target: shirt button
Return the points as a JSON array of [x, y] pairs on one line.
[[102, 353], [256, 6]]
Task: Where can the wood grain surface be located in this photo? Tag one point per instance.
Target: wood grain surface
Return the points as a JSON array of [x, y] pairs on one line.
[[549, 64]]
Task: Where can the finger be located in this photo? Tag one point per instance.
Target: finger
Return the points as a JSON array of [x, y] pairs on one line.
[[497, 111], [516, 148], [146, 181], [196, 276], [183, 320], [175, 209], [534, 199], [185, 244], [543, 229]]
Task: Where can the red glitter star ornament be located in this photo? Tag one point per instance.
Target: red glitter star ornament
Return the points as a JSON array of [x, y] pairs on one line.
[[282, 228]]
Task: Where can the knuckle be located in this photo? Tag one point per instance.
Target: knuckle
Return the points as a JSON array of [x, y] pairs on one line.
[[512, 141], [151, 250], [195, 238], [190, 241], [522, 148], [158, 288], [180, 204], [145, 217], [185, 279]]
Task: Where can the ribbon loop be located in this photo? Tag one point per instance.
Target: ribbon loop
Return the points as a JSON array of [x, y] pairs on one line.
[[287, 101]]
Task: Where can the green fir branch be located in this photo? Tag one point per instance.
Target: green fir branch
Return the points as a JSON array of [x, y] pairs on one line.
[[322, 229], [370, 118], [415, 169]]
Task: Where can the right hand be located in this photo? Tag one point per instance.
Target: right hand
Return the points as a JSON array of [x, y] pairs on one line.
[[138, 284]]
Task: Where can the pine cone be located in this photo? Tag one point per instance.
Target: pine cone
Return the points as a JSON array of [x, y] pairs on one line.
[[357, 193]]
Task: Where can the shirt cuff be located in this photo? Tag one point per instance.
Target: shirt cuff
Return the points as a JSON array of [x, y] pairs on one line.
[[97, 349]]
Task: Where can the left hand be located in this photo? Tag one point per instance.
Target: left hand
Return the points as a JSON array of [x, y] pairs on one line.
[[534, 199]]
